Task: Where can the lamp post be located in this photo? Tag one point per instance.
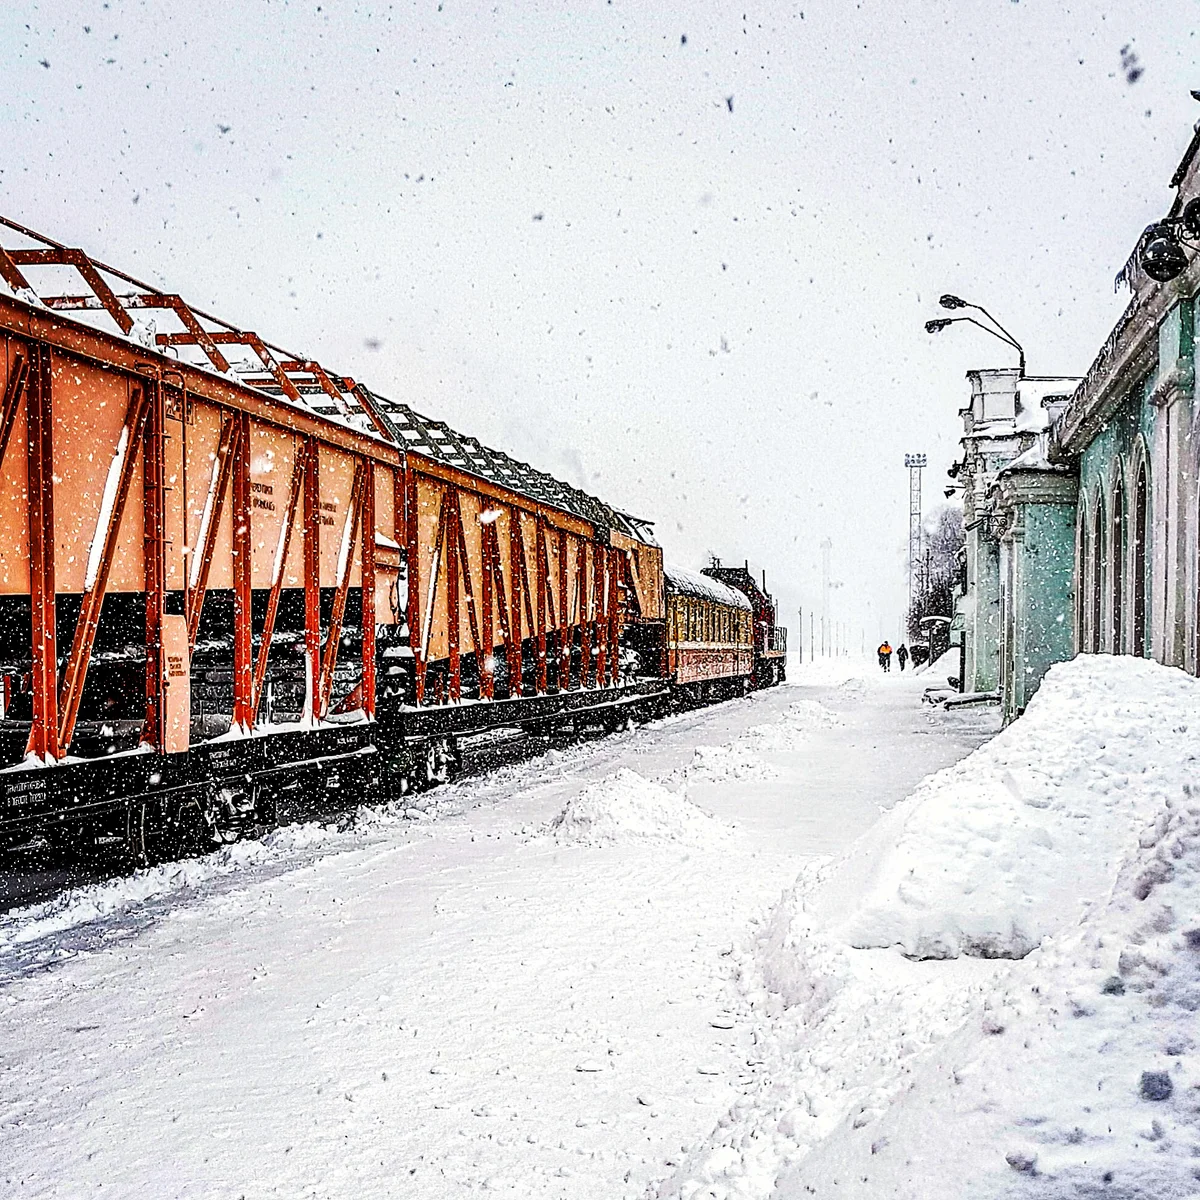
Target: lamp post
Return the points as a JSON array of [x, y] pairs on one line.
[[953, 302]]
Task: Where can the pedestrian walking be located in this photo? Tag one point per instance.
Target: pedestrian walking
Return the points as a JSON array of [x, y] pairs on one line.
[[902, 655], [885, 656]]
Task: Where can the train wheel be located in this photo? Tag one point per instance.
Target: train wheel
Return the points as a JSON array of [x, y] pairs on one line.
[[150, 837], [439, 763]]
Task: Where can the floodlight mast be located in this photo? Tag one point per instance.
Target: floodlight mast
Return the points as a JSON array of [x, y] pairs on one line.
[[916, 464]]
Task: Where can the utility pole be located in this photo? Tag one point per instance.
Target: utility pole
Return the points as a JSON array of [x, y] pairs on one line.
[[915, 464], [826, 550]]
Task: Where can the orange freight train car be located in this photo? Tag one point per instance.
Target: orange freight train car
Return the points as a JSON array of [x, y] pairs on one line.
[[233, 583]]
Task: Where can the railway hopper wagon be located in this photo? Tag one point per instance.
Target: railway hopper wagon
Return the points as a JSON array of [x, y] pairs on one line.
[[235, 586]]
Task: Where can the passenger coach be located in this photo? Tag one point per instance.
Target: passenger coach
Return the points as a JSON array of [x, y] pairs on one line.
[[710, 642]]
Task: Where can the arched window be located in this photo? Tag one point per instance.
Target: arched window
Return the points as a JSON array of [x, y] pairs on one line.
[[1099, 574], [1117, 570], [1083, 575], [1141, 532]]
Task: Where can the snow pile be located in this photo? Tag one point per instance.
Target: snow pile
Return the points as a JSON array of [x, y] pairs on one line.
[[733, 762], [991, 855], [791, 730], [827, 672], [943, 667], [1072, 839], [1080, 1076], [627, 807], [838, 1032]]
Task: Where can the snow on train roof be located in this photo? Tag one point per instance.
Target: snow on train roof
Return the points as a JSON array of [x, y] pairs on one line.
[[692, 583], [436, 440]]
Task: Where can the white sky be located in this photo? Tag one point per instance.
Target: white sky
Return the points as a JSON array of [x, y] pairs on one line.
[[717, 320]]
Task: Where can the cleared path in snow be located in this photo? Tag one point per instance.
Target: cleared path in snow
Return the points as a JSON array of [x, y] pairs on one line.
[[433, 1008]]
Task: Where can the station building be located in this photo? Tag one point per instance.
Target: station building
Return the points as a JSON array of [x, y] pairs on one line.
[[1005, 418]]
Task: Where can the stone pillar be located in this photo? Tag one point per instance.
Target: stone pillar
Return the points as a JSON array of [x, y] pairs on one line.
[[1037, 508], [1173, 502]]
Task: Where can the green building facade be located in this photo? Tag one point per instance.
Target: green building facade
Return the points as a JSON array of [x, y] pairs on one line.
[[1100, 523]]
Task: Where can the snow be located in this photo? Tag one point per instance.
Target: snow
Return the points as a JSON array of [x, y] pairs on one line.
[[1032, 414], [692, 583], [1070, 844], [345, 547], [992, 855], [1036, 458], [210, 502], [107, 501], [626, 806], [745, 952], [440, 997]]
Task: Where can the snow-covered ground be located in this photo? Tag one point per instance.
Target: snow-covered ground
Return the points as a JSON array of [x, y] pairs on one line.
[[547, 984], [994, 992]]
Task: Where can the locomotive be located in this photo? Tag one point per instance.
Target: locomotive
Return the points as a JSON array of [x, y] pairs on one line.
[[235, 586]]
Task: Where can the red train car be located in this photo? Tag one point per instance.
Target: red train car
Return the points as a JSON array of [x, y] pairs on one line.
[[237, 588], [770, 639]]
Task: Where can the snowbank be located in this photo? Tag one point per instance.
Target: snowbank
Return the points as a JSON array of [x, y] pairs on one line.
[[945, 666], [990, 856], [626, 806], [822, 671], [1080, 1074], [724, 764]]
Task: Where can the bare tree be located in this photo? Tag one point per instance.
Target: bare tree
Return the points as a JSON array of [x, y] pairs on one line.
[[941, 569]]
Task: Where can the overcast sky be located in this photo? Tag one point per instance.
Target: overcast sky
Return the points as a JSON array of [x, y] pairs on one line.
[[678, 254]]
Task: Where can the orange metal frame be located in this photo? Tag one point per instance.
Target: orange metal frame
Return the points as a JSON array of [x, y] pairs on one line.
[[278, 398]]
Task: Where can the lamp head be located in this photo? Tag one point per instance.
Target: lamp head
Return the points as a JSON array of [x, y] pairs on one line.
[[937, 324], [1161, 256], [949, 301]]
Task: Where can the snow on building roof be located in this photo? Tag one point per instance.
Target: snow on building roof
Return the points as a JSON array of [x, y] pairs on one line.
[[1033, 459], [692, 583], [1032, 416]]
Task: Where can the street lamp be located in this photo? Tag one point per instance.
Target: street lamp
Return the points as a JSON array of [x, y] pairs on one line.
[[1160, 248], [953, 302]]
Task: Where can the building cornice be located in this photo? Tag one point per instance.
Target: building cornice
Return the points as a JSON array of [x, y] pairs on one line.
[[1036, 486], [1128, 353]]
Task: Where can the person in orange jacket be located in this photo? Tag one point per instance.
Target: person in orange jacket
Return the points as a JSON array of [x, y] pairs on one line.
[[885, 656]]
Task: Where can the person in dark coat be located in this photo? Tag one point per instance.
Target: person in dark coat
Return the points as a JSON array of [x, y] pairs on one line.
[[902, 655]]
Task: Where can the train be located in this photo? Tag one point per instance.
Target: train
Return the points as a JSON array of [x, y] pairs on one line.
[[237, 588]]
